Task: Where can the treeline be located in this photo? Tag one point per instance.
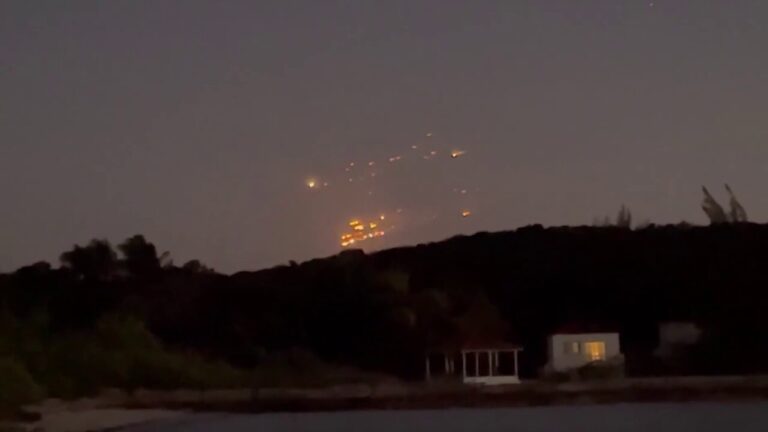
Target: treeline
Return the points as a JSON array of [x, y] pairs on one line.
[[79, 328], [382, 312]]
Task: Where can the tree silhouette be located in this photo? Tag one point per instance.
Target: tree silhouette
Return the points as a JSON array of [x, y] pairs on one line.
[[713, 209], [624, 219], [195, 266], [738, 214], [717, 214], [140, 256], [96, 261]]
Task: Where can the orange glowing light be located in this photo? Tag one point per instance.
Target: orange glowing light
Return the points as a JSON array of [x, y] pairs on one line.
[[457, 153], [362, 231], [466, 213]]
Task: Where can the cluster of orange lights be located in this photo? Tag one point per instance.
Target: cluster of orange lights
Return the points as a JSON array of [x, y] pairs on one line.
[[367, 172], [361, 231]]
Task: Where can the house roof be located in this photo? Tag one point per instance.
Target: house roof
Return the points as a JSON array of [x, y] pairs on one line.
[[490, 346], [582, 328], [477, 344]]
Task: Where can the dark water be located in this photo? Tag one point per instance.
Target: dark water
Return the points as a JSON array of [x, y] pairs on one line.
[[662, 417]]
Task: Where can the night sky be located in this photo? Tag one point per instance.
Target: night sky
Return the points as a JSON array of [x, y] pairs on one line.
[[199, 123]]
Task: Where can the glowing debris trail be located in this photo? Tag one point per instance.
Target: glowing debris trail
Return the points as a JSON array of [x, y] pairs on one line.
[[358, 188], [361, 231]]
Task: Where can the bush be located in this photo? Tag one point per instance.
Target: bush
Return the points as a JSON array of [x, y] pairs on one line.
[[601, 371], [17, 387], [301, 368], [122, 353]]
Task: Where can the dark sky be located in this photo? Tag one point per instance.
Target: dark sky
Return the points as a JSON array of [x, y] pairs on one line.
[[197, 123]]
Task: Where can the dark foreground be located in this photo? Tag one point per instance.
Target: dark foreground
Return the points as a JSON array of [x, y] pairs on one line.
[[657, 417], [426, 397]]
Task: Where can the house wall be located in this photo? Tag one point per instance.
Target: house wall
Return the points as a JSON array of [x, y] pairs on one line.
[[561, 361]]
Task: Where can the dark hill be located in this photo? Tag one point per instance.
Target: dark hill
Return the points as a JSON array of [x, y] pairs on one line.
[[352, 306], [382, 311]]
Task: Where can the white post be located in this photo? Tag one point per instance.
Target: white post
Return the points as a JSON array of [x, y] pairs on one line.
[[490, 363], [515, 351]]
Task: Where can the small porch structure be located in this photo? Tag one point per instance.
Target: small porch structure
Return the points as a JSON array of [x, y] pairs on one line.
[[494, 364]]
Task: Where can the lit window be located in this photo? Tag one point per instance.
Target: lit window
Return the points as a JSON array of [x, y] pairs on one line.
[[571, 347], [595, 350]]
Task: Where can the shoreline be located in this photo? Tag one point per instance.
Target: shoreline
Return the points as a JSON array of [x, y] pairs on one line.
[[481, 398], [114, 409]]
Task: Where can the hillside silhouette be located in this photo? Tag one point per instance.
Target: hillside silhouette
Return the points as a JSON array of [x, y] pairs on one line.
[[383, 311]]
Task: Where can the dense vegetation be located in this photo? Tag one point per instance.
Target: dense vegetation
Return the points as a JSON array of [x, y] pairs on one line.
[[138, 320]]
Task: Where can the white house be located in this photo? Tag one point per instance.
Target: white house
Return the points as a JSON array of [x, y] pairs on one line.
[[569, 351]]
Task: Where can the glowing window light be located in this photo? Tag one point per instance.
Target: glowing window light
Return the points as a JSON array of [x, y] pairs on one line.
[[595, 351]]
